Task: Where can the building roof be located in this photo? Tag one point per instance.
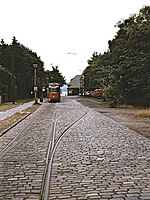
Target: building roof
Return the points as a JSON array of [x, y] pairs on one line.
[[75, 82]]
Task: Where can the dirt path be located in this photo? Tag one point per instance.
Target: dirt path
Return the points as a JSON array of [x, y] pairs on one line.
[[121, 115]]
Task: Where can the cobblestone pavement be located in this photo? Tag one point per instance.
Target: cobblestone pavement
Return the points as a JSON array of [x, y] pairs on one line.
[[97, 158], [101, 159], [23, 150], [22, 163]]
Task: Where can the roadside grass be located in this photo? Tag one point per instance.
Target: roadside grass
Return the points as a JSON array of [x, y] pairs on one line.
[[125, 106], [10, 121], [24, 100], [143, 113], [9, 105]]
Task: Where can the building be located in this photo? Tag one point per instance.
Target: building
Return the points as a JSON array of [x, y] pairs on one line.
[[74, 86]]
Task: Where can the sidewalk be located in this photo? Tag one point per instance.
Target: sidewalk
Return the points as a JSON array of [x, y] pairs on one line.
[[10, 112]]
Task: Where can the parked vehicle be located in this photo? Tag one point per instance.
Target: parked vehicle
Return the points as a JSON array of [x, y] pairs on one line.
[[97, 93], [53, 92]]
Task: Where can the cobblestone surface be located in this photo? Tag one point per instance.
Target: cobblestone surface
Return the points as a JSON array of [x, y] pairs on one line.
[[22, 163], [97, 158], [101, 159], [23, 150]]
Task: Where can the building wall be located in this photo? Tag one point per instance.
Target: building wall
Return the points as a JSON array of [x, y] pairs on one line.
[[74, 86]]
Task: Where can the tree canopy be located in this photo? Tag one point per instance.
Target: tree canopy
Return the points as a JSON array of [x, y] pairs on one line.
[[124, 70], [16, 62]]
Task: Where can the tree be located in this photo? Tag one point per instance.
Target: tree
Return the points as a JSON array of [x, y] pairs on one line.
[[93, 73], [133, 58], [124, 70], [56, 76], [19, 61], [5, 83]]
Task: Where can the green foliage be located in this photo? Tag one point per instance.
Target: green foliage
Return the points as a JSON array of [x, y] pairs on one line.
[[18, 73], [123, 72], [5, 83], [93, 73], [18, 60], [56, 76], [112, 95]]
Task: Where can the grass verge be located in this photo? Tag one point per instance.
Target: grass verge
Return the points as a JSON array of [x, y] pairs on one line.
[[10, 121], [143, 113], [9, 105]]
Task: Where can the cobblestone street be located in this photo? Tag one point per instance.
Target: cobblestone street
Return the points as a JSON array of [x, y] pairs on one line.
[[97, 157], [101, 159]]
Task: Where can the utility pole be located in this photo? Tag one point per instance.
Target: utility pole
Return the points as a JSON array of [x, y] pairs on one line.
[[35, 86], [13, 80]]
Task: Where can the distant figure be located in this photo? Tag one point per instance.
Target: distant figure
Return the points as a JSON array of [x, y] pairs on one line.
[[64, 90]]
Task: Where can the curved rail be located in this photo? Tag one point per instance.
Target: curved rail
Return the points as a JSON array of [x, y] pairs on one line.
[[13, 125], [50, 155], [19, 136], [15, 140]]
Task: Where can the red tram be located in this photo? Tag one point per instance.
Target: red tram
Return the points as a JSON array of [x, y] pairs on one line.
[[53, 92]]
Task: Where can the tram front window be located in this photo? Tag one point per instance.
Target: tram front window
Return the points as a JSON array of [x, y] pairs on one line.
[[53, 90]]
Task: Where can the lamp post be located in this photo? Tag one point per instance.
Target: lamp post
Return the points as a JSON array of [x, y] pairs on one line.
[[13, 79], [35, 86], [82, 84], [47, 86]]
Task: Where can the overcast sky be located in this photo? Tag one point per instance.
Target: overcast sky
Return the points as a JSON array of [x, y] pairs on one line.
[[64, 33]]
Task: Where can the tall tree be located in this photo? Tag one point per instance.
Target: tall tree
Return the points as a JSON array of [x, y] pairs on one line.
[[19, 61], [5, 83], [56, 76], [125, 67]]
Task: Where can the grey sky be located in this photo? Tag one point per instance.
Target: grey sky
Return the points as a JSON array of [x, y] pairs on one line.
[[54, 28]]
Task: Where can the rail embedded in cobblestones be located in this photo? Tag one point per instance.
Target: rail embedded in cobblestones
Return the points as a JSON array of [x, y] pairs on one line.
[[50, 155], [12, 143], [68, 151], [13, 125]]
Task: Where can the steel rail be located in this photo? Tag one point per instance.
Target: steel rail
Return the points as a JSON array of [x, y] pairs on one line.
[[13, 142], [13, 125], [52, 149], [50, 145]]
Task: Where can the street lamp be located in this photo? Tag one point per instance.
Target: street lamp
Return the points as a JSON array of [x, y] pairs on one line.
[[13, 79], [35, 86], [82, 84]]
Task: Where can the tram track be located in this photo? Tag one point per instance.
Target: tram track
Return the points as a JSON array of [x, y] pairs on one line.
[[50, 155], [78, 150], [15, 139], [27, 150], [13, 125]]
